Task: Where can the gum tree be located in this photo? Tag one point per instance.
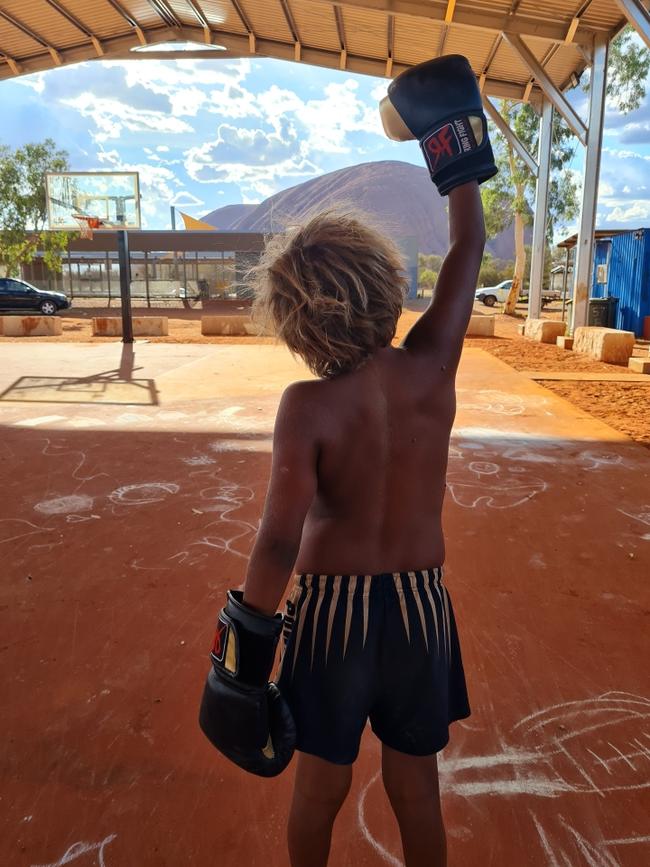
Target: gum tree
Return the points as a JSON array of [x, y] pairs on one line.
[[23, 209], [509, 197]]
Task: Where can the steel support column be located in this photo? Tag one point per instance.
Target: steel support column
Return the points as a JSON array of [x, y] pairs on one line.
[[638, 16], [541, 211], [585, 250]]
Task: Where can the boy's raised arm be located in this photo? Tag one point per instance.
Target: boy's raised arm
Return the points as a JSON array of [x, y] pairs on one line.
[[441, 329], [439, 104]]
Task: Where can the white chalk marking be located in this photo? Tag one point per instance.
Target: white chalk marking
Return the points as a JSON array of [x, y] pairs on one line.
[[627, 841], [601, 761], [539, 786], [546, 846], [383, 853], [82, 848], [594, 857], [143, 494], [65, 505]]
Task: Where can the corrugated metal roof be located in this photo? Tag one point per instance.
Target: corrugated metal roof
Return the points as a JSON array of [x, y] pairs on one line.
[[378, 37]]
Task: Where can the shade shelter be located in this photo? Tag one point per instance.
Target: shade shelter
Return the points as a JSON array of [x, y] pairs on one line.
[[529, 50]]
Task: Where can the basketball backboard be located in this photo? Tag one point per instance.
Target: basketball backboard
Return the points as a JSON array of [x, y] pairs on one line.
[[114, 197]]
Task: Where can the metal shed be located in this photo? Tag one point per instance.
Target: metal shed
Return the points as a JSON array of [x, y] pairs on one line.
[[622, 270]]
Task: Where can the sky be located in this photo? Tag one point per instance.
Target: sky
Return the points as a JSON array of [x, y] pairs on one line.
[[208, 133]]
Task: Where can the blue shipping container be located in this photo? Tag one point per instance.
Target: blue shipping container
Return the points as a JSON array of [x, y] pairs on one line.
[[627, 258]]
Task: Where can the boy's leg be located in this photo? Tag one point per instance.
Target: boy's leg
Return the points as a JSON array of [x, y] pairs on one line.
[[319, 792], [411, 783]]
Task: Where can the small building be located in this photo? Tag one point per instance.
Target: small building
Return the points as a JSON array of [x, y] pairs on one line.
[[622, 271]]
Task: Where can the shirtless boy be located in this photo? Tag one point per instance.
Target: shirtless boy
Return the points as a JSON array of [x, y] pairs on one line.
[[354, 504]]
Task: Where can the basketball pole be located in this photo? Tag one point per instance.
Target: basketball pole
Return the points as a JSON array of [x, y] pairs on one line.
[[124, 260]]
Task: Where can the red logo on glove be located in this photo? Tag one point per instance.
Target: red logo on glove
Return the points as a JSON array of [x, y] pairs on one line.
[[442, 144], [219, 643]]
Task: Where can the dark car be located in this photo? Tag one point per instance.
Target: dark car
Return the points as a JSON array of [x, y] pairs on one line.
[[16, 295]]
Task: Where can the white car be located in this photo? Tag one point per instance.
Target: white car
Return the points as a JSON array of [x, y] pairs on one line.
[[490, 295]]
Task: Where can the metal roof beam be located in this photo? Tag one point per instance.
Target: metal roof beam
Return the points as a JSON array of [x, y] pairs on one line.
[[552, 92], [11, 62], [293, 27], [165, 12], [436, 10], [15, 22], [200, 16], [340, 28], [390, 45], [61, 9], [243, 17], [638, 16], [130, 20], [520, 149]]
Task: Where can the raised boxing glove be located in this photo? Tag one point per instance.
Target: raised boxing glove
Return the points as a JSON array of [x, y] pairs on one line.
[[439, 104], [242, 714]]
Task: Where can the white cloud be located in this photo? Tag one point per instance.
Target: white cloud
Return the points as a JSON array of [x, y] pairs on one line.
[[185, 199], [252, 158], [187, 101], [379, 92], [111, 117], [635, 213], [35, 82], [163, 149]]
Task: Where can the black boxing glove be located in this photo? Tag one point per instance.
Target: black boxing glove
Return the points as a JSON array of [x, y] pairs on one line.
[[439, 104], [242, 714]]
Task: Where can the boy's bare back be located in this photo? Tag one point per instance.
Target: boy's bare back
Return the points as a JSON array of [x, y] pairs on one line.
[[382, 437]]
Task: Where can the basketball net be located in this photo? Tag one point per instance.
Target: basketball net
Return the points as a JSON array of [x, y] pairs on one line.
[[87, 225]]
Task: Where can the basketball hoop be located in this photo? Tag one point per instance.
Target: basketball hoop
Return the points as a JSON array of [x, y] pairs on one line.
[[87, 225]]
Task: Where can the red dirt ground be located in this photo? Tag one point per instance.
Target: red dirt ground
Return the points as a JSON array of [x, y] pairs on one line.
[[122, 527]]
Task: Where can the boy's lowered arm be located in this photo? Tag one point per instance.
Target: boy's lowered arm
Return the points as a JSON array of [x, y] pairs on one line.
[[441, 329]]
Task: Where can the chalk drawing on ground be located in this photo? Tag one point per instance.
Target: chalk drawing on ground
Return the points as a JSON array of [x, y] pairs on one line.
[[497, 402], [593, 460], [564, 843], [60, 450], [73, 503], [597, 746], [482, 484], [641, 514], [143, 494], [78, 850]]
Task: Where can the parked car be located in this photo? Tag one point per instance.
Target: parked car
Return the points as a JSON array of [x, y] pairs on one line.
[[491, 295], [17, 295]]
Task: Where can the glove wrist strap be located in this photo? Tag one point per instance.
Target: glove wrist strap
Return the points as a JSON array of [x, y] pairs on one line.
[[245, 642], [452, 139]]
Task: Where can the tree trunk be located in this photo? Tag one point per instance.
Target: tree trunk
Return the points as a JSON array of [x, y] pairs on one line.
[[520, 240], [520, 266]]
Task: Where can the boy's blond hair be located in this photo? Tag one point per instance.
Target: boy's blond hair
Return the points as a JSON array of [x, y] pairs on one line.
[[333, 290]]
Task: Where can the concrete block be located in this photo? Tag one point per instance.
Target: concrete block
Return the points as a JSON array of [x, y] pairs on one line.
[[544, 330], [565, 342], [604, 344], [639, 365], [143, 326], [481, 326], [234, 326], [31, 326], [520, 329]]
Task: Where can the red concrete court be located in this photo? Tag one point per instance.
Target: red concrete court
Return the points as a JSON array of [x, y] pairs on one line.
[[132, 488]]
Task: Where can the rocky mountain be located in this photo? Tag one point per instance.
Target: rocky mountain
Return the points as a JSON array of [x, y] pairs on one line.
[[398, 195], [224, 218]]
